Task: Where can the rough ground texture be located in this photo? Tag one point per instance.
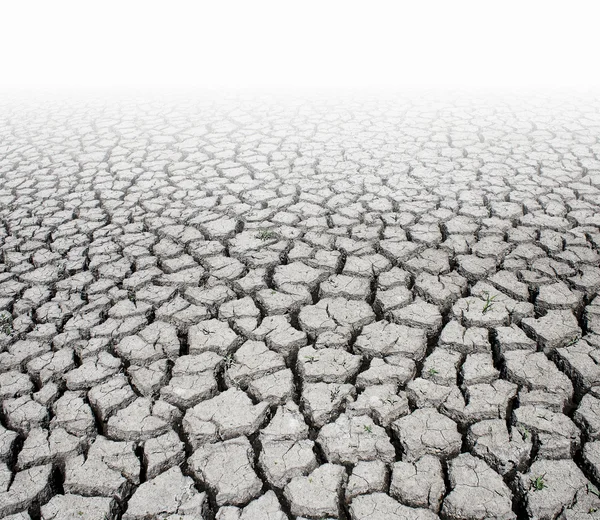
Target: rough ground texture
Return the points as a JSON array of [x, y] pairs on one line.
[[353, 308]]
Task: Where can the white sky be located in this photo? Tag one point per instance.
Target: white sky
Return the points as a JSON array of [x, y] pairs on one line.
[[288, 43]]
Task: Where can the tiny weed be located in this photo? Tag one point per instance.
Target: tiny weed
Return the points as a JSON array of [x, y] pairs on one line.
[[311, 359], [573, 341], [228, 360], [593, 491], [131, 296], [525, 434], [6, 323], [489, 302], [432, 371], [538, 483], [334, 393], [368, 428], [265, 234]]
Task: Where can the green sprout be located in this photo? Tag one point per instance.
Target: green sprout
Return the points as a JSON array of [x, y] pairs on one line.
[[265, 234], [334, 393], [574, 340], [6, 323], [489, 302], [538, 483], [432, 371], [368, 428], [593, 491], [525, 433], [311, 359]]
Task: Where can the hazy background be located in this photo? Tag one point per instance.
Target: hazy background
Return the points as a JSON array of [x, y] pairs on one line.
[[283, 44]]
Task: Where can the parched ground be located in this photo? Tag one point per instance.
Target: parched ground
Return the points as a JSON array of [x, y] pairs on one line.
[[331, 307]]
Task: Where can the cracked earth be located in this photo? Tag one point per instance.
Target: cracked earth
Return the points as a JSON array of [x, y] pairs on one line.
[[353, 308]]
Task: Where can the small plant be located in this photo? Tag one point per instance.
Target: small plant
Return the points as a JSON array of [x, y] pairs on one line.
[[432, 371], [489, 302], [265, 234], [229, 360], [334, 393], [593, 491], [573, 341], [311, 359], [205, 331], [538, 483], [525, 433], [368, 428], [131, 296], [6, 323]]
